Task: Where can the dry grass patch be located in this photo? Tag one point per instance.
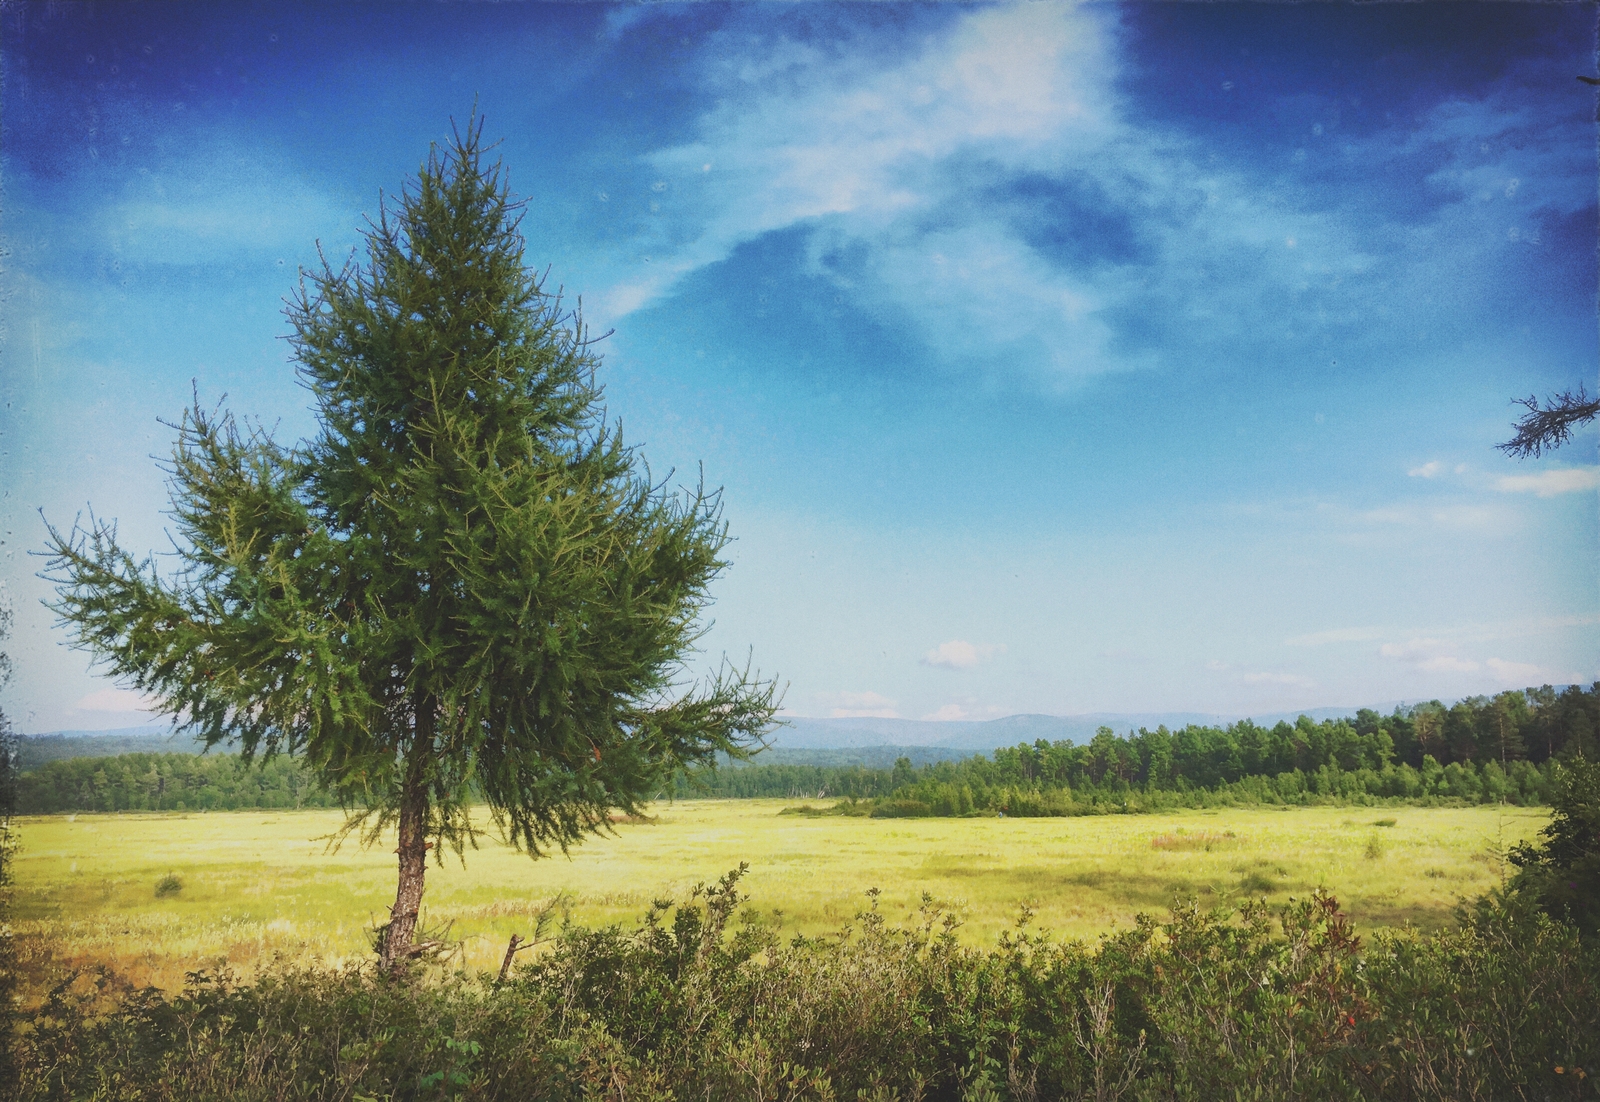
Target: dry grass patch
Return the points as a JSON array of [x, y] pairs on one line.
[[1205, 841]]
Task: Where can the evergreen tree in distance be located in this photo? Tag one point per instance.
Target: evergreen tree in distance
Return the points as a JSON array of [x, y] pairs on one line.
[[464, 587]]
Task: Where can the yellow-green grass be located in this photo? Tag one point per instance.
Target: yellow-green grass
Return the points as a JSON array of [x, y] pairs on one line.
[[257, 884]]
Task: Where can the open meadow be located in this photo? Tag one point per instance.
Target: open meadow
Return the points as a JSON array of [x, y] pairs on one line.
[[254, 884]]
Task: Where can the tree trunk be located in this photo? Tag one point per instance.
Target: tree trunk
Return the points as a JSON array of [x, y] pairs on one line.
[[398, 939]]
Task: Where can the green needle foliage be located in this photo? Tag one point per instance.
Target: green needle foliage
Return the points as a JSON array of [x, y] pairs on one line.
[[465, 586], [1561, 875]]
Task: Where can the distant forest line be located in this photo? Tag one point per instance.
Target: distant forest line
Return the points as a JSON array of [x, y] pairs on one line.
[[1482, 749]]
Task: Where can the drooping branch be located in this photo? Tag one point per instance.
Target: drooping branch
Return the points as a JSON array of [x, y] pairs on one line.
[[1549, 426]]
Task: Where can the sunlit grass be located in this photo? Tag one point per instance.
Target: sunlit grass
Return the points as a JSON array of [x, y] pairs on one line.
[[155, 895]]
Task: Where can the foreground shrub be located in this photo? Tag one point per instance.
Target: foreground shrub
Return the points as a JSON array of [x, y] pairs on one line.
[[699, 1002], [1561, 875]]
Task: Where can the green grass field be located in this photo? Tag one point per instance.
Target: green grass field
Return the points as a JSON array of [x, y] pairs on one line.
[[256, 884]]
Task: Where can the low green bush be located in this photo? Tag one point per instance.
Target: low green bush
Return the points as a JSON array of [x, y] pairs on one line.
[[1561, 874], [706, 1000]]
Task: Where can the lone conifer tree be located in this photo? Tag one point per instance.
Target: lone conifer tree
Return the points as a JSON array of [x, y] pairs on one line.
[[464, 587]]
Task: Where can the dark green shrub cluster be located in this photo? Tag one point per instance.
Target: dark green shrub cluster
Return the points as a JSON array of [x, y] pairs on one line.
[[1561, 874], [705, 1000]]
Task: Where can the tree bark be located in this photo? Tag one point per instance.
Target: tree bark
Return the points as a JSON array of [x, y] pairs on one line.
[[511, 954], [398, 938]]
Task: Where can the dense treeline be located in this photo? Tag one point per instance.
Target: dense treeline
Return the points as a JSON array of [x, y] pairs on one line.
[[167, 782], [1482, 749]]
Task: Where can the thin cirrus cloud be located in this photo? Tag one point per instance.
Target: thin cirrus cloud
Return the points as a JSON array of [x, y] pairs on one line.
[[1519, 673], [1438, 656], [220, 204], [1290, 679], [1433, 639], [117, 700], [958, 654], [1334, 635], [1429, 655], [864, 705], [1564, 480]]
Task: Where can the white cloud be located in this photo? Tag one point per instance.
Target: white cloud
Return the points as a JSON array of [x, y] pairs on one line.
[[1481, 517], [1517, 673], [1430, 469], [889, 169], [1550, 483], [867, 705], [899, 172], [1430, 655], [1409, 515], [1334, 635], [1447, 663], [958, 654], [222, 203], [949, 712], [1438, 638], [1278, 679], [117, 700]]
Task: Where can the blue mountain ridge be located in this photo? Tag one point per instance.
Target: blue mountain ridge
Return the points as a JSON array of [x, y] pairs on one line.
[[863, 740], [982, 736]]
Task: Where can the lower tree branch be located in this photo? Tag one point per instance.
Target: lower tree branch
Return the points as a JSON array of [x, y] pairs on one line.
[[1549, 426]]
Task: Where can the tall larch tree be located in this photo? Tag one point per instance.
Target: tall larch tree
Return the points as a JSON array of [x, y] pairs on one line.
[[464, 588]]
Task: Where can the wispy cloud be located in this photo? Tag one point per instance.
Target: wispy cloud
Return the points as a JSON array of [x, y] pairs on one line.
[[1335, 635], [1518, 673], [222, 203], [1441, 636], [1430, 655], [994, 174], [1259, 677], [948, 713], [1431, 469], [117, 700], [867, 705], [994, 192], [958, 654], [1564, 480], [1268, 678]]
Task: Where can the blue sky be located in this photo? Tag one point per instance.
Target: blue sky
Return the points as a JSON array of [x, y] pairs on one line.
[[1054, 358]]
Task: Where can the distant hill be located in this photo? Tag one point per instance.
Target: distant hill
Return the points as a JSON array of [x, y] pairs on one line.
[[35, 750], [982, 736], [867, 741], [868, 757], [148, 730]]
